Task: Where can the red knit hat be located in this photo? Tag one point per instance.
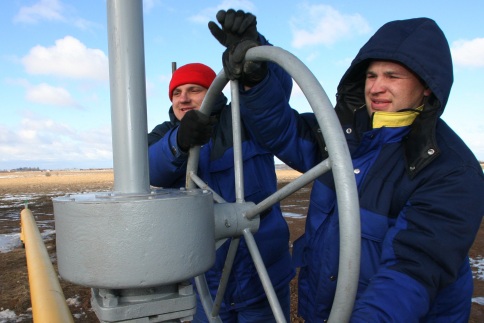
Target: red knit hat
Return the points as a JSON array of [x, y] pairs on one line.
[[194, 73]]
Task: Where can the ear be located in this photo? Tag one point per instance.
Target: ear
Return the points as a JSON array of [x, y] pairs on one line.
[[427, 92]]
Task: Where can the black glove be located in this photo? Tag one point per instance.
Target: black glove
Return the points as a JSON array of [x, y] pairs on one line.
[[236, 26], [238, 34], [253, 73], [195, 129], [236, 67]]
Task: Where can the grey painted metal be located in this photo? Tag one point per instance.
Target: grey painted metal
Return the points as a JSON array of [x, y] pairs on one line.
[[168, 303], [290, 188], [200, 183], [114, 241], [207, 104], [192, 166], [230, 222], [128, 96], [264, 276], [239, 196], [234, 243], [347, 196], [217, 198], [228, 264], [206, 298], [236, 132]]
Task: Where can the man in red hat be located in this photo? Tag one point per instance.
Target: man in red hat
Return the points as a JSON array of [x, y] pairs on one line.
[[169, 142], [187, 88]]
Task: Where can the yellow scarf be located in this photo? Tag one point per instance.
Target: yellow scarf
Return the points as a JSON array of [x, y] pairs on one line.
[[395, 119]]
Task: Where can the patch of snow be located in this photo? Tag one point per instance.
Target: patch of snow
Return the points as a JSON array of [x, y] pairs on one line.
[[477, 265], [478, 300], [9, 316], [47, 233], [73, 301], [9, 242], [293, 215]]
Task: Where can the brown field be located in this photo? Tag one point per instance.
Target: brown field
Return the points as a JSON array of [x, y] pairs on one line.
[[55, 181], [14, 286]]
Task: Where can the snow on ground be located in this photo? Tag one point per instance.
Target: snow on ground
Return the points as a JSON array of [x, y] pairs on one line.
[[478, 300], [9, 316], [293, 215], [9, 241], [478, 265]]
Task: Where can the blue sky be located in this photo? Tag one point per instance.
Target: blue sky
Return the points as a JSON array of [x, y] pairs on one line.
[[55, 103]]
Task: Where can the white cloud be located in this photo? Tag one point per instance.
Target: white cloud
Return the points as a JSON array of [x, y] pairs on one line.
[[150, 88], [165, 78], [468, 53], [322, 24], [17, 81], [68, 58], [49, 95], [84, 24], [53, 11], [148, 5], [311, 57], [208, 14], [43, 10], [38, 141]]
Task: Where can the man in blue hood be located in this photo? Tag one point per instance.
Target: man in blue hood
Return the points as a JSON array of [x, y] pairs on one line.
[[420, 187]]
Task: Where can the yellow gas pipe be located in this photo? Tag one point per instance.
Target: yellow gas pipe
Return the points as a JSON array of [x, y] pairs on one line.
[[48, 300]]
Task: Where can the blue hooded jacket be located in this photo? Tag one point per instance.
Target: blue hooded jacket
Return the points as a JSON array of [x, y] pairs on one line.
[[420, 189], [167, 165]]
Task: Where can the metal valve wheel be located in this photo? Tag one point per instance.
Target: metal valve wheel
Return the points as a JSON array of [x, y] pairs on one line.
[[339, 162]]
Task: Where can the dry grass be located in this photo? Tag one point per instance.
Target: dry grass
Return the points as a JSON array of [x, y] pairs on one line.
[[285, 175], [63, 181], [76, 180]]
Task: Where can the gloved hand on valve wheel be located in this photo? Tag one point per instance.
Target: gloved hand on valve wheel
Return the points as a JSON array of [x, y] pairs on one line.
[[195, 129], [236, 26], [238, 35]]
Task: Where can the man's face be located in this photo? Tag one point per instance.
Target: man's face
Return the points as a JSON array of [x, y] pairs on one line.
[[187, 97], [390, 86]]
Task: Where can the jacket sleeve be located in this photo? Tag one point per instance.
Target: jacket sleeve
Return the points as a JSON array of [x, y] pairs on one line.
[[167, 163], [283, 131], [284, 79], [426, 251]]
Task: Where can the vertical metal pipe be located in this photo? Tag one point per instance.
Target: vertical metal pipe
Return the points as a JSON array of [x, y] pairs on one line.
[[236, 130], [128, 96], [194, 154]]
